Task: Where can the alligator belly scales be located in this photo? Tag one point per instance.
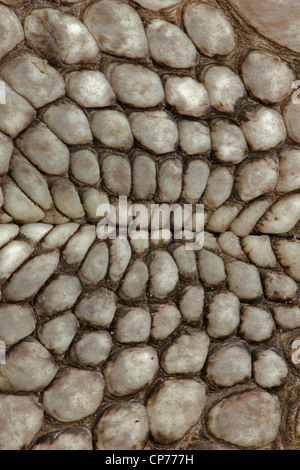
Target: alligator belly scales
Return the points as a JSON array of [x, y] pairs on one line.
[[142, 342]]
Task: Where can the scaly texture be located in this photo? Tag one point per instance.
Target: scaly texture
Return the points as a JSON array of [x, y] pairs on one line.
[[141, 343]]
